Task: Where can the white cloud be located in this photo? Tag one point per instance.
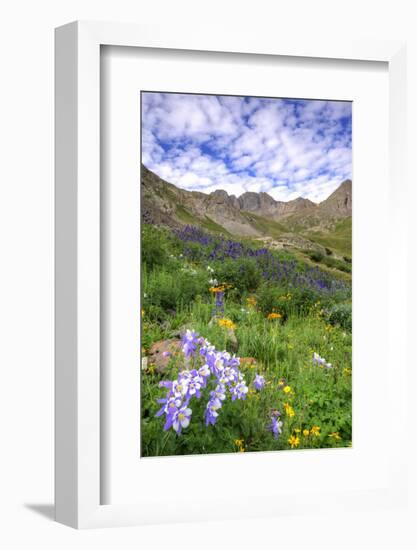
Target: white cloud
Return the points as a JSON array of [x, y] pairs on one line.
[[287, 148]]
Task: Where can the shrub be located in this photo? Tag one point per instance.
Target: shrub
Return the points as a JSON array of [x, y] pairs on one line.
[[167, 290], [316, 256], [338, 264], [243, 274], [341, 314]]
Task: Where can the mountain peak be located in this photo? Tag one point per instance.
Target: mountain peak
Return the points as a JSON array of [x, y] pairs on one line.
[[339, 203]]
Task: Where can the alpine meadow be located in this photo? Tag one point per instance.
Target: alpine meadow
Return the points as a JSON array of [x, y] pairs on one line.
[[246, 274]]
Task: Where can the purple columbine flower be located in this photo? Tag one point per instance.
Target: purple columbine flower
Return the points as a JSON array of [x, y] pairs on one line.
[[189, 343], [317, 360], [211, 411], [181, 419], [239, 391], [259, 382], [276, 425]]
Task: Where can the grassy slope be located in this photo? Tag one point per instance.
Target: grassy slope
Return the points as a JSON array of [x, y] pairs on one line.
[[340, 239], [207, 223], [264, 225]]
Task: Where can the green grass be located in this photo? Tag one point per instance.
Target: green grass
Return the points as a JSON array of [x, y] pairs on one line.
[[265, 226], [207, 223], [339, 240]]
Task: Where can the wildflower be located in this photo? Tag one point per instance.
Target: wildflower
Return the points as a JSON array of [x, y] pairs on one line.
[[306, 433], [251, 301], [273, 315], [287, 389], [289, 411], [189, 343], [315, 430], [166, 354], [240, 445], [215, 289], [204, 371], [317, 360], [190, 383], [297, 430], [294, 441], [210, 269], [239, 391], [226, 323], [335, 435], [181, 419], [276, 424], [259, 382], [219, 302], [211, 411]]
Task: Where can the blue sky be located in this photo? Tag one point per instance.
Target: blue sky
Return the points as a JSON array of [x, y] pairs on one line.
[[285, 147]]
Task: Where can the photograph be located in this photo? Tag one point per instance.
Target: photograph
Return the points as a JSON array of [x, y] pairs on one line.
[[246, 273]]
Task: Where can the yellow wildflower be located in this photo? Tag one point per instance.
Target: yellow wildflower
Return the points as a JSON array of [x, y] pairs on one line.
[[226, 323], [251, 301], [335, 435], [315, 430], [297, 430], [287, 389], [289, 411], [215, 289], [306, 433], [273, 315], [240, 445], [294, 441]]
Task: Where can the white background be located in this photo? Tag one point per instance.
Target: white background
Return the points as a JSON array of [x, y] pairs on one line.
[[26, 301]]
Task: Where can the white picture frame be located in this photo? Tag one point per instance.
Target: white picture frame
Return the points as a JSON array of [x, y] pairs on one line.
[[78, 406]]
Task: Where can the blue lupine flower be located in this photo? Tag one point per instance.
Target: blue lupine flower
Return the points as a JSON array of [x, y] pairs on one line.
[[272, 268], [259, 382]]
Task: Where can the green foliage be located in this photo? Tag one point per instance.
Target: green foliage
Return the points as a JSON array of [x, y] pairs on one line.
[[339, 239], [328, 260], [154, 251], [296, 301], [316, 256], [341, 314], [167, 290], [243, 274]]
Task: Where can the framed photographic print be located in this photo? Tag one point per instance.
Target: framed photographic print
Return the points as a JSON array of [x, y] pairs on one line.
[[219, 319]]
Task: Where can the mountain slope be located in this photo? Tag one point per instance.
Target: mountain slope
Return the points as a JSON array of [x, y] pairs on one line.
[[254, 215]]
